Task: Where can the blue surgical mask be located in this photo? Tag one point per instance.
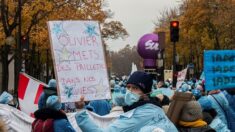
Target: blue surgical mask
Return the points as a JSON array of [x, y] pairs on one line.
[[131, 98]]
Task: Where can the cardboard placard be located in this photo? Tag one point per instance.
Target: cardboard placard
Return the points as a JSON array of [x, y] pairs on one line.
[[219, 69], [181, 77], [79, 60]]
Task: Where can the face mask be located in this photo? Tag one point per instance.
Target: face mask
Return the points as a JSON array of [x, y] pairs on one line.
[[131, 98]]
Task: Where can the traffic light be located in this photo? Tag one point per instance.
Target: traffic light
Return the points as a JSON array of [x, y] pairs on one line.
[[174, 30]]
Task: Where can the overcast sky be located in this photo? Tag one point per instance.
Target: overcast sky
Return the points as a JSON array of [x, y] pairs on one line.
[[137, 16]]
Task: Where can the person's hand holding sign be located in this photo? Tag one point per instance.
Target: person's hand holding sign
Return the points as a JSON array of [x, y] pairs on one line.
[[80, 104]]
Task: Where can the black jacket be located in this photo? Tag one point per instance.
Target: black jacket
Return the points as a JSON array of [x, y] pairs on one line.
[[47, 113]]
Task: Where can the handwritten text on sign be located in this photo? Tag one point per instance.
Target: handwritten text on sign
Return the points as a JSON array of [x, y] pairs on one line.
[[79, 60], [219, 69]]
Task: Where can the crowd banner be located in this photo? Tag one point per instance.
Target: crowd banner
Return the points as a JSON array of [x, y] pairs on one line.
[[79, 60], [15, 120], [18, 121], [181, 77], [219, 69], [29, 91], [168, 74]]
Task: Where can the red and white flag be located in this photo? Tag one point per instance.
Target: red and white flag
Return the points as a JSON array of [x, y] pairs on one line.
[[29, 91]]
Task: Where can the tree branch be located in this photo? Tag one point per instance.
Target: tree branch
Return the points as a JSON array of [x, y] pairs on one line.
[[36, 18], [7, 15], [4, 21], [17, 14]]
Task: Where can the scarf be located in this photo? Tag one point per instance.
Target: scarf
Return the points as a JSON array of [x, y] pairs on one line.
[[197, 123]]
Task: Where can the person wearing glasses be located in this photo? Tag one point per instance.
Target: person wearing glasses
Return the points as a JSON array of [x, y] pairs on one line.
[[142, 113]]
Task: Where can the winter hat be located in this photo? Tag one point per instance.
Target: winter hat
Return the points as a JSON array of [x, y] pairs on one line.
[[199, 87], [185, 87], [197, 93], [191, 111], [123, 90], [51, 88], [190, 83], [53, 102], [167, 84], [116, 88], [52, 84], [120, 83], [5, 98], [205, 103], [142, 80]]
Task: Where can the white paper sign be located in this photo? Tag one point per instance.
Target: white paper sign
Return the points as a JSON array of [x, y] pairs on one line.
[[79, 60], [181, 77]]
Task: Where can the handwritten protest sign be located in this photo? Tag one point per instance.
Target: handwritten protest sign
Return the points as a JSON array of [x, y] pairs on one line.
[[79, 60], [219, 69], [181, 77]]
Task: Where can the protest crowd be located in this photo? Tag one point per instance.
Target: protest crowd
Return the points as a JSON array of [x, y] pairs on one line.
[[139, 103], [82, 98]]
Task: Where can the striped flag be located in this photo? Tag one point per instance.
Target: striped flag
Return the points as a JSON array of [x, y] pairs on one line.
[[29, 91]]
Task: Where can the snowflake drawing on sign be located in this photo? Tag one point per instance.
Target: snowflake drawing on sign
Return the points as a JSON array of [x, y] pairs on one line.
[[91, 30], [68, 90], [100, 88], [63, 38], [57, 28], [65, 55]]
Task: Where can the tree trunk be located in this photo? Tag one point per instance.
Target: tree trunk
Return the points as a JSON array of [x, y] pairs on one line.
[[5, 69], [31, 61], [217, 44], [18, 56], [38, 66]]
